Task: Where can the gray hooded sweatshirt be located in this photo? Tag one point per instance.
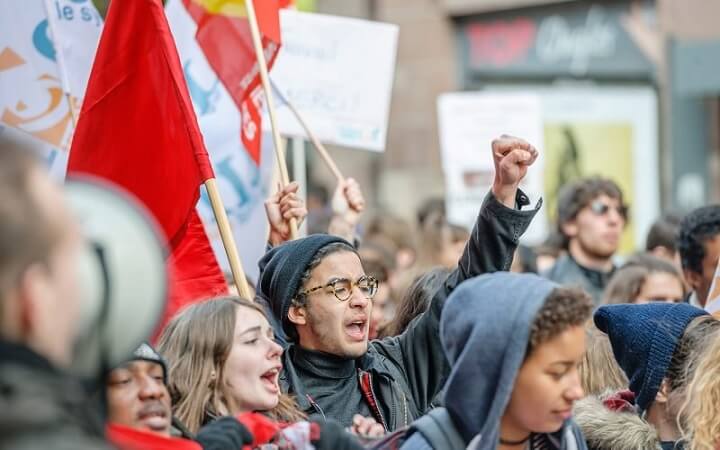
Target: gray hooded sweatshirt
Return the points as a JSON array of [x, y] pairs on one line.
[[485, 329]]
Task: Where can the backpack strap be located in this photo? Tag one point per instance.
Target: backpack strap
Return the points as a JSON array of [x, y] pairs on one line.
[[438, 429]]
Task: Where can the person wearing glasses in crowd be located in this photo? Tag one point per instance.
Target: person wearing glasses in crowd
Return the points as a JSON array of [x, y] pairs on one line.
[[318, 290], [591, 217]]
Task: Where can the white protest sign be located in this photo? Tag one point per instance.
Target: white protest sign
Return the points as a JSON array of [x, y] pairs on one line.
[[469, 121], [338, 72]]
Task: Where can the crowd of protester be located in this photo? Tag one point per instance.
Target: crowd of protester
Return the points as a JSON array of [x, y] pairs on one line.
[[377, 333]]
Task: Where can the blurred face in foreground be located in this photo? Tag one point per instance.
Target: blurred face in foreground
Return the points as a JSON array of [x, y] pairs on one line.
[[42, 308]]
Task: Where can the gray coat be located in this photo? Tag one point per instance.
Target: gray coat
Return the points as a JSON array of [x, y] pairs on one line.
[[399, 377], [40, 408]]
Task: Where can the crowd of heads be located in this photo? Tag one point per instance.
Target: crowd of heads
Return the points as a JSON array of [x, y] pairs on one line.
[[356, 337]]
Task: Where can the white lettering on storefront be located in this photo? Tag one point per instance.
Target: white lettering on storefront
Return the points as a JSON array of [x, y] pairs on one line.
[[558, 41]]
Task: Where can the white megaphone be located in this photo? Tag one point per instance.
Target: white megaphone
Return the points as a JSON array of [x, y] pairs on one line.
[[123, 275]]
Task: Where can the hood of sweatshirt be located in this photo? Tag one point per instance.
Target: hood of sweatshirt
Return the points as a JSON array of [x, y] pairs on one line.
[[485, 329]]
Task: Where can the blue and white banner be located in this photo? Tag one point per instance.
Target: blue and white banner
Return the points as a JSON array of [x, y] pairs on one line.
[[243, 185], [38, 77], [46, 51]]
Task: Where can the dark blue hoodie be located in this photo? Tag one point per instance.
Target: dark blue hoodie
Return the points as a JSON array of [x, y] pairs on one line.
[[485, 329]]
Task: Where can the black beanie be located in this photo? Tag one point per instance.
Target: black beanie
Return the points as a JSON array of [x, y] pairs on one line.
[[146, 353], [281, 270]]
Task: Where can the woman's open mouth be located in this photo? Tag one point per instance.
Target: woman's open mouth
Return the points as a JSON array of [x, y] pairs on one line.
[[270, 380]]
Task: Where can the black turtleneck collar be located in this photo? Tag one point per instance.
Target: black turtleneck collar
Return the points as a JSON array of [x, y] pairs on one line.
[[597, 278], [322, 364], [19, 354]]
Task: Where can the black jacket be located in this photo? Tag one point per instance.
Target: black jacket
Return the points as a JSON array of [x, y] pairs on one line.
[[40, 407], [568, 272], [398, 377]]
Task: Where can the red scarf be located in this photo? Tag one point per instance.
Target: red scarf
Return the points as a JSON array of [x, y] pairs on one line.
[[126, 438]]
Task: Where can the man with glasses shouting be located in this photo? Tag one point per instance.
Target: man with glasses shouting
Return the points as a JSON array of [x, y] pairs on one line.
[[591, 218], [318, 290]]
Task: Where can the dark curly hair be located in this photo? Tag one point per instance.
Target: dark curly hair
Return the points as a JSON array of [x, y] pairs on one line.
[[696, 229], [565, 307]]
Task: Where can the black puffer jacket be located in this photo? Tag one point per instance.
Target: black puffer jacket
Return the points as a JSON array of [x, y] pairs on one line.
[[42, 408], [398, 377]]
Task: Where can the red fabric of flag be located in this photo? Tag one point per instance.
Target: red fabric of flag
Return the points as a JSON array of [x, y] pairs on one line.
[[137, 129], [227, 43]]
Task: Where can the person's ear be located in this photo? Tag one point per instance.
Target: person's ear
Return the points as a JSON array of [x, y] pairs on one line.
[[570, 228], [32, 288], [298, 315], [663, 393]]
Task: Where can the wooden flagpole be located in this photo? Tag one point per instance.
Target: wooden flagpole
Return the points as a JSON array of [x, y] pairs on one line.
[[262, 65], [228, 240], [324, 154]]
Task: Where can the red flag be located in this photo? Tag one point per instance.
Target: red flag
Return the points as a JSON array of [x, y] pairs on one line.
[[224, 35], [137, 129]]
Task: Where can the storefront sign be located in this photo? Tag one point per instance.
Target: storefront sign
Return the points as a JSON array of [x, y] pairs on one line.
[[573, 40]]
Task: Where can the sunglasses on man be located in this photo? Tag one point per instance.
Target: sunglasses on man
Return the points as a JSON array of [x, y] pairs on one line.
[[600, 208]]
